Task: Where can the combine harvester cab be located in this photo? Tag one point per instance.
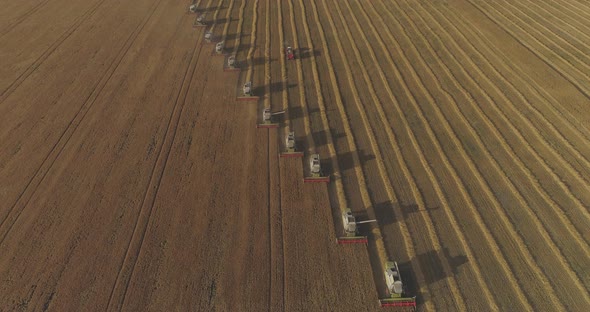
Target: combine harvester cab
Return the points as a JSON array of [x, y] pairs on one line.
[[247, 94], [290, 148], [351, 229], [267, 119], [231, 64], [200, 21], [395, 287], [219, 48], [315, 169]]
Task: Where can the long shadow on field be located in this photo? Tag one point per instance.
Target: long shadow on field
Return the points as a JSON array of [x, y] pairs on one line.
[[346, 160], [273, 88], [320, 137], [430, 264], [409, 209], [234, 36], [304, 53]]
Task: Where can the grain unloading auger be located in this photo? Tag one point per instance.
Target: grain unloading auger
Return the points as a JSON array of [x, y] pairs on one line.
[[351, 229], [396, 289], [290, 148], [247, 93], [267, 121], [315, 169]]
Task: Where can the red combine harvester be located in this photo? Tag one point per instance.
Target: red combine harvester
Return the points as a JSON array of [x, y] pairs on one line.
[[289, 53]]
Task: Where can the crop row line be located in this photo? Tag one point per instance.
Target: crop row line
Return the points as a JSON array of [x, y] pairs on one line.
[[533, 181], [540, 225], [518, 32]]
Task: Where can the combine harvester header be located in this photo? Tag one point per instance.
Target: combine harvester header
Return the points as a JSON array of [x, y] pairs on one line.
[[395, 287]]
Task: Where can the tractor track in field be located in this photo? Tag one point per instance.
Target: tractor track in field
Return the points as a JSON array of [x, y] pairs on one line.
[[506, 218], [391, 138], [486, 232], [521, 200], [519, 34], [22, 18], [65, 35], [156, 175], [68, 132]]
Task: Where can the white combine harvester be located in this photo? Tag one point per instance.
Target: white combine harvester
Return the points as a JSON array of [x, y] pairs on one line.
[[209, 36], [290, 146], [267, 121], [315, 169], [396, 289], [351, 229], [219, 47], [247, 89], [200, 20], [231, 64], [192, 8]]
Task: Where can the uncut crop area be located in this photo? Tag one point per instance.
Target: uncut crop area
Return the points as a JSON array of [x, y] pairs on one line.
[[132, 180]]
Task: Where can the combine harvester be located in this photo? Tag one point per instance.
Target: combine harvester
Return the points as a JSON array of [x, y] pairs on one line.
[[395, 287], [219, 49], [267, 119], [289, 53], [209, 36], [351, 229], [200, 21], [247, 93], [290, 149], [231, 64], [316, 170], [192, 8]]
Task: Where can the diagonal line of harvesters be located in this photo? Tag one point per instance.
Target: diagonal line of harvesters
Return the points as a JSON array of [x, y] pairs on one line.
[[395, 286]]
